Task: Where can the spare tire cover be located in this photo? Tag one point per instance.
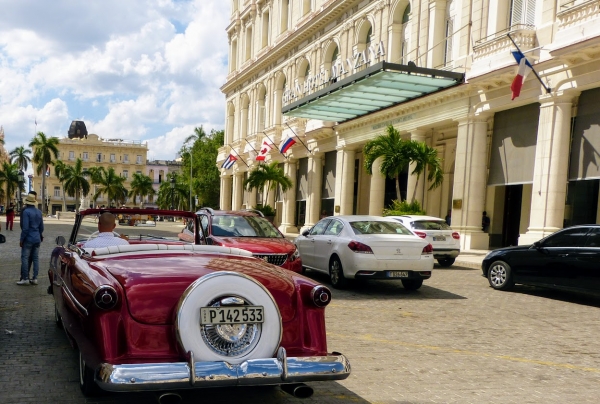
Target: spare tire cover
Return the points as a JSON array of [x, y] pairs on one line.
[[230, 343]]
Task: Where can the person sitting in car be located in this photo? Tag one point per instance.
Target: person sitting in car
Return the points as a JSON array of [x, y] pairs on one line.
[[106, 237]]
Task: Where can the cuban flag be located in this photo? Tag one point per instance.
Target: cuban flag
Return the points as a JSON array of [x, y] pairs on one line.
[[286, 144], [265, 148], [524, 69], [229, 162]]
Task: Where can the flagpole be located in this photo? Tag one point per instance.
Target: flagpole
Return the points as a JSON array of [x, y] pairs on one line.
[[233, 150], [296, 136], [548, 89], [249, 144], [273, 143]]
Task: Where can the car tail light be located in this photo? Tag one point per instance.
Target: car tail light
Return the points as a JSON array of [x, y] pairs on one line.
[[321, 296], [428, 249], [106, 297], [456, 235], [359, 247], [421, 234]]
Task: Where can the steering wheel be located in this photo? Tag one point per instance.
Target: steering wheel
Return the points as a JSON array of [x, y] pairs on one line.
[[95, 234]]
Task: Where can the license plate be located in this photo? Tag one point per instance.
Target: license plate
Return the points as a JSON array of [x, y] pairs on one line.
[[398, 274], [439, 238], [232, 315]]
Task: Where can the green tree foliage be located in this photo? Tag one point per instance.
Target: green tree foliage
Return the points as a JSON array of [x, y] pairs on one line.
[[403, 208], [20, 156], [44, 150], [206, 181], [110, 184], [269, 176], [177, 196], [141, 185], [59, 169], [74, 181], [397, 154], [9, 180]]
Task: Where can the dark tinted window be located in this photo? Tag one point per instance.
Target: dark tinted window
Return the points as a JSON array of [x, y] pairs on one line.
[[567, 238], [320, 227], [243, 226], [430, 225], [593, 239]]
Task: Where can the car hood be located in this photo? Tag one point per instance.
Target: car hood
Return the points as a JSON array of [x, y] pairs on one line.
[[154, 285], [503, 250], [259, 244]]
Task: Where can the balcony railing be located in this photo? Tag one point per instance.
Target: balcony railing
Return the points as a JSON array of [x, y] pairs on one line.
[[523, 34], [575, 13]]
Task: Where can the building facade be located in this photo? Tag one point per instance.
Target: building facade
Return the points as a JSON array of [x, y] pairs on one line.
[[125, 156], [157, 170], [532, 162]]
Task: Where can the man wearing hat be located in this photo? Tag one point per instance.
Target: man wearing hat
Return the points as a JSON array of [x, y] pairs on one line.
[[32, 229]]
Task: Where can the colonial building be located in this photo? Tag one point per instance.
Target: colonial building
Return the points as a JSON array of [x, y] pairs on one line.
[[125, 156], [157, 170], [333, 74]]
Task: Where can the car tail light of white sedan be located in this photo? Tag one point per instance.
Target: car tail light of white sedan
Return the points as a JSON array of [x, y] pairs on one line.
[[456, 235], [428, 249], [358, 247], [421, 234]]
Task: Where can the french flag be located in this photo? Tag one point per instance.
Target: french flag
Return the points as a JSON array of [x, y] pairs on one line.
[[286, 144], [524, 69], [229, 162]]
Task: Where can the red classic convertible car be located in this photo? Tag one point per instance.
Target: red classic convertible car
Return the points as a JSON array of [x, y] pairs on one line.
[[162, 314]]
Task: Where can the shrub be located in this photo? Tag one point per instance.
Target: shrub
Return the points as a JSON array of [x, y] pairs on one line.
[[403, 208], [267, 210]]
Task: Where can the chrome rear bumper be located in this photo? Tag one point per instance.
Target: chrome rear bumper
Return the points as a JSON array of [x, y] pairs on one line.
[[254, 372]]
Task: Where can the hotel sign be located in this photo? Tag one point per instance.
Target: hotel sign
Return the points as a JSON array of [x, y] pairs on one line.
[[340, 69]]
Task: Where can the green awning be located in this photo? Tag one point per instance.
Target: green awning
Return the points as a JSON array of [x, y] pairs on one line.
[[380, 86]]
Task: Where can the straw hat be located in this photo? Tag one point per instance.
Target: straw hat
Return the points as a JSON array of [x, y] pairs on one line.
[[30, 200]]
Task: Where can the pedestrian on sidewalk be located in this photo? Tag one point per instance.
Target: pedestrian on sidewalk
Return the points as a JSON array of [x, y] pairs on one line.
[[10, 216], [32, 235]]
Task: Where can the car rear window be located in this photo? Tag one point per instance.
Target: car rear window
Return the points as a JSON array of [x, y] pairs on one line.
[[430, 225], [243, 226], [378, 227]]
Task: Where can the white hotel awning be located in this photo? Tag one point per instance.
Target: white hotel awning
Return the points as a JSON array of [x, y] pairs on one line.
[[380, 86]]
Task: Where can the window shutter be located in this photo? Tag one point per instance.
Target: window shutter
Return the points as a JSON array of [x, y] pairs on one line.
[[516, 12], [530, 12]]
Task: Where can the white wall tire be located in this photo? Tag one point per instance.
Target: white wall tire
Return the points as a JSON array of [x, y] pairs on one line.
[[210, 288]]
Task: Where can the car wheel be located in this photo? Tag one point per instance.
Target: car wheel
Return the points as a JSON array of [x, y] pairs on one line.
[[446, 262], [500, 276], [57, 319], [412, 284], [232, 343], [336, 274], [87, 384]]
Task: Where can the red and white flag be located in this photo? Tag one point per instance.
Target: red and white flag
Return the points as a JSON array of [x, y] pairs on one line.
[[265, 148], [524, 69]]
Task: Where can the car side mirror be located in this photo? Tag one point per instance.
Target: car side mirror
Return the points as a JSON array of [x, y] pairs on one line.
[[537, 245], [305, 233], [2, 239], [60, 240]]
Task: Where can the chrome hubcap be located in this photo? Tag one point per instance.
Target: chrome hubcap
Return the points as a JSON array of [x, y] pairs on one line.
[[498, 275]]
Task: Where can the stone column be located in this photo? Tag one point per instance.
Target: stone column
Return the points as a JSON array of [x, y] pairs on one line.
[[344, 181], [238, 190], [470, 182], [437, 33], [551, 168], [289, 200], [313, 202], [377, 194], [415, 190], [226, 184]]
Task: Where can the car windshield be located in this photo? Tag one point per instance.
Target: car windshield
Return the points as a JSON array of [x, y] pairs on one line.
[[430, 225], [141, 228], [378, 227], [243, 226]]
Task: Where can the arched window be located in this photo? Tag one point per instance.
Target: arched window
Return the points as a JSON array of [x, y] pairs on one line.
[[399, 47], [261, 105], [368, 39], [307, 70], [335, 54]]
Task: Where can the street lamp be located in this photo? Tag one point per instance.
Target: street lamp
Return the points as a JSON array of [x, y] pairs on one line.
[[172, 192], [21, 179], [191, 166]]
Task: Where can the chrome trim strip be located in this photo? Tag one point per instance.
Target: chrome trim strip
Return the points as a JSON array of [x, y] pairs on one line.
[[72, 298], [254, 372]]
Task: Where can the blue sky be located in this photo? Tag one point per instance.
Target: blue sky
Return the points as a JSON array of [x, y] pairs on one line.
[[147, 70]]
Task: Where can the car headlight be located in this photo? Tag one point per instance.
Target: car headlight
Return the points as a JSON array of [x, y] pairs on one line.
[[295, 255]]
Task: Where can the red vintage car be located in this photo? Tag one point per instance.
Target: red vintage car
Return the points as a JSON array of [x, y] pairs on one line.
[[250, 230], [163, 314]]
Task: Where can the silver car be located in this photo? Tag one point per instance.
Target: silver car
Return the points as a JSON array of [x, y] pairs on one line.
[[445, 241]]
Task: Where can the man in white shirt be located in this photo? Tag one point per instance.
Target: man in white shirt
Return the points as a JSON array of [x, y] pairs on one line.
[[106, 237]]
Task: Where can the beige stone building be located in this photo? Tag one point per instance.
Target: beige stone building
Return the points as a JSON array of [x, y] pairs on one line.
[[126, 157], [335, 73]]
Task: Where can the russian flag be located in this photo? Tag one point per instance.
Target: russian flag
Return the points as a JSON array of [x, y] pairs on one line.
[[286, 144], [229, 162], [524, 69]]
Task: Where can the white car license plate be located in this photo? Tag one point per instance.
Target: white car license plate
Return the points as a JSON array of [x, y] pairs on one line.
[[232, 315], [398, 274], [439, 238]]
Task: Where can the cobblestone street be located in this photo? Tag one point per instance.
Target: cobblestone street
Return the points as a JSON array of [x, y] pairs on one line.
[[453, 341]]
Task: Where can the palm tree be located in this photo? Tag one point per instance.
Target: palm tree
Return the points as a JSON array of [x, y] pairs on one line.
[[9, 175], [269, 175], [176, 196], [59, 168], [20, 156], [426, 157], [141, 185], [74, 181], [110, 183], [395, 153], [199, 134], [43, 149]]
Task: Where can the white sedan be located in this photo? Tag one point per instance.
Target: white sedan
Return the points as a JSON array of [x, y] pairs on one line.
[[365, 247]]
